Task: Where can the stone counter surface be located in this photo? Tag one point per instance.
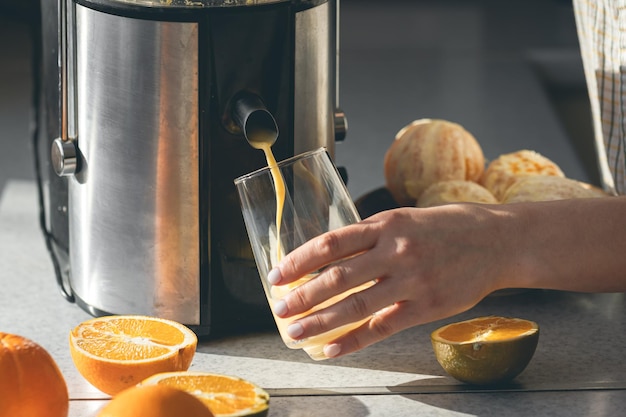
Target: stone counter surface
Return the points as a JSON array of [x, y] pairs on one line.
[[577, 370]]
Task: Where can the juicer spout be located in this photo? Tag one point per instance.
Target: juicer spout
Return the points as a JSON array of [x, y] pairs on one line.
[[256, 122]]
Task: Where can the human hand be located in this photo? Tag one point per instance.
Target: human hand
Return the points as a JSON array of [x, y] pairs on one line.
[[428, 264]]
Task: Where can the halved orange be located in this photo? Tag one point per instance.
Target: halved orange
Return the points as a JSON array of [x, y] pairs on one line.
[[486, 350], [226, 396], [117, 352], [154, 401]]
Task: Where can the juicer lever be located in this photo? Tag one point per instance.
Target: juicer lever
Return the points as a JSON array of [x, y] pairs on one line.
[[256, 122], [63, 153], [63, 157], [340, 124]]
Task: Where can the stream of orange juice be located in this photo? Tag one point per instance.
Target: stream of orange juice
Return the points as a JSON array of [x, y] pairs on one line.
[[279, 186]]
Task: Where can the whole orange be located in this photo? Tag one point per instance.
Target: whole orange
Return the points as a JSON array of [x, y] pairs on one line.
[[31, 384], [154, 401]]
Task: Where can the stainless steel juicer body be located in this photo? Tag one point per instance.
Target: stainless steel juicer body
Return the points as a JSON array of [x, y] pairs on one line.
[[147, 148]]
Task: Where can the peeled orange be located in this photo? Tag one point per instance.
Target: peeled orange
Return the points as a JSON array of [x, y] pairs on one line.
[[117, 352], [31, 384], [427, 151], [154, 401], [226, 396], [506, 169], [486, 350]]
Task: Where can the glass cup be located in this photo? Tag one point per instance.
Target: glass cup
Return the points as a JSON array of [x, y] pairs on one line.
[[316, 201]]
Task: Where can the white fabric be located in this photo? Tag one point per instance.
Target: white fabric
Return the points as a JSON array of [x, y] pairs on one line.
[[602, 35]]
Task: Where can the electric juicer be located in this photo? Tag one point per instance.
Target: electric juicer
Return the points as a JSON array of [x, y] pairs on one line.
[[146, 104]]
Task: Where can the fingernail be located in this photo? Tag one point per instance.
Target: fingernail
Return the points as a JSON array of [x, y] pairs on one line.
[[274, 277], [280, 308], [332, 350], [294, 330]]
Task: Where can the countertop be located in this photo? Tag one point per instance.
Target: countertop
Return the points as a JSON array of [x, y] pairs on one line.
[[577, 369], [492, 66]]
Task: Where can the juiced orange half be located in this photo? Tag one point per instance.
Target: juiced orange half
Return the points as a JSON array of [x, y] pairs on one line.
[[486, 350]]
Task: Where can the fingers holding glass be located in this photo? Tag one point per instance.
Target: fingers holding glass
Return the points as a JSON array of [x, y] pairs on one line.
[[329, 286], [326, 249], [384, 323], [354, 305]]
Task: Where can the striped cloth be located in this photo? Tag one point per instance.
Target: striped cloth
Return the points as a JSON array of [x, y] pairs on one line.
[[601, 26]]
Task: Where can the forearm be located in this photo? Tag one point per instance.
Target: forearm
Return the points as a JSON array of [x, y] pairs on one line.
[[576, 245]]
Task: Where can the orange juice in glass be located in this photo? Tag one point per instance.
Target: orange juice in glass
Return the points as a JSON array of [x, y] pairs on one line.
[[312, 199]]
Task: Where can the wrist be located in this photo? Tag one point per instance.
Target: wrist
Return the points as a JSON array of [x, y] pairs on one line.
[[515, 257]]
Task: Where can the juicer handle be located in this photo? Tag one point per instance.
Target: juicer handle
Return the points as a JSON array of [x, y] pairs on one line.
[[339, 117], [63, 153], [49, 25]]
